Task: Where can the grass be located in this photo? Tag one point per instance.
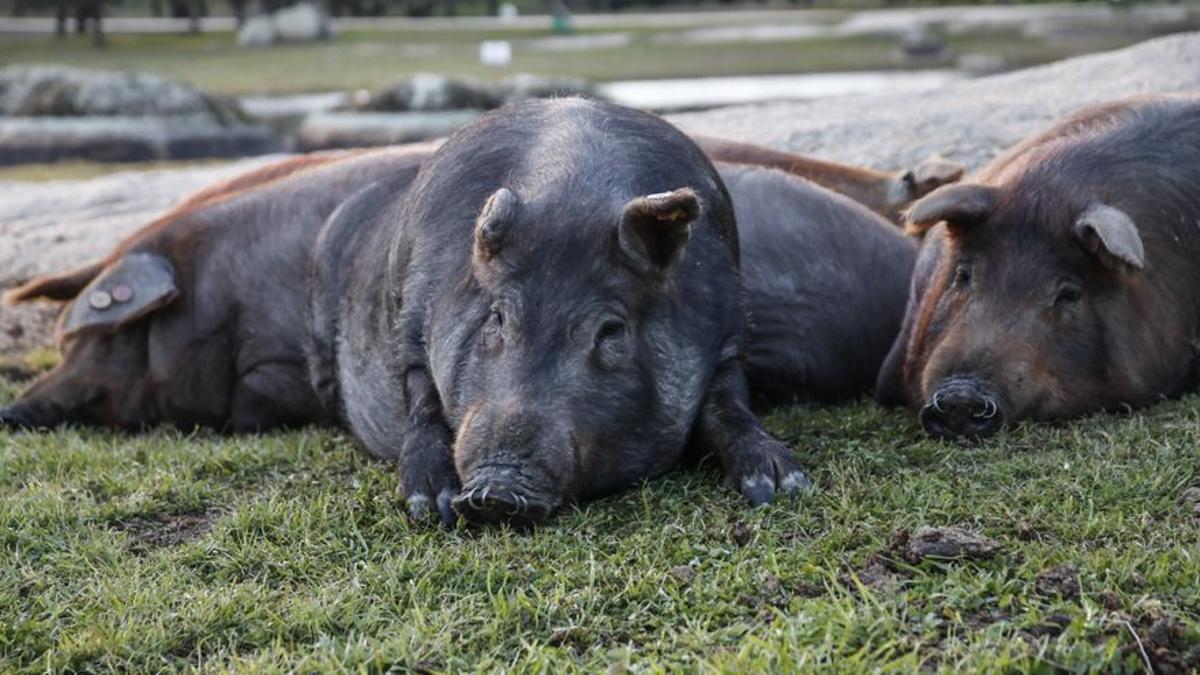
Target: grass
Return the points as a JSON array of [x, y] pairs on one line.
[[291, 552], [83, 170]]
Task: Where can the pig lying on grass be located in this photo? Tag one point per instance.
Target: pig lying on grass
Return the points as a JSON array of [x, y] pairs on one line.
[[570, 344], [1062, 279]]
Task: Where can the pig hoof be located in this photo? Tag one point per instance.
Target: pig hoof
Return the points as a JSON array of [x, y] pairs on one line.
[[766, 469], [421, 507]]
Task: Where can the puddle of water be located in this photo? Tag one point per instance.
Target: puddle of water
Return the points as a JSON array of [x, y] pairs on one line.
[[709, 92]]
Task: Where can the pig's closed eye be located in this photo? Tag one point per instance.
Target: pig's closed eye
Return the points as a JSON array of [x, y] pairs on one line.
[[493, 330], [612, 330], [495, 321], [1068, 294], [610, 342], [962, 276]]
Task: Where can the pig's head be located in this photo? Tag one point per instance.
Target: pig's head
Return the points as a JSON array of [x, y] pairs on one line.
[[571, 384], [1033, 304], [102, 332]]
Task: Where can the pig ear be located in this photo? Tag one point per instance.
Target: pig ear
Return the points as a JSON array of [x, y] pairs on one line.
[[137, 285], [61, 286], [1112, 234], [494, 223], [961, 205], [655, 228], [932, 174]]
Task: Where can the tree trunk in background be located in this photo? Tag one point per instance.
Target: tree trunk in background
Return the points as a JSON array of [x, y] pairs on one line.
[[98, 24], [60, 19]]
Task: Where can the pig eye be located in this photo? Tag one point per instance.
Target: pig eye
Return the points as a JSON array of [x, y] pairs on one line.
[[1068, 294], [962, 276], [494, 328], [495, 320], [610, 342], [610, 331]]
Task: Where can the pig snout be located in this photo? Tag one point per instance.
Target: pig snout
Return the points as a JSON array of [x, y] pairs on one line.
[[503, 494], [15, 420], [962, 407]]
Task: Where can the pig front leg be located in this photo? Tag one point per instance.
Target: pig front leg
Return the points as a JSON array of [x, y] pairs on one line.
[[754, 463], [427, 474]]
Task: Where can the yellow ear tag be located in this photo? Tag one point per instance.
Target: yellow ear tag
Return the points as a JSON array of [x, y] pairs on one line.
[[674, 215]]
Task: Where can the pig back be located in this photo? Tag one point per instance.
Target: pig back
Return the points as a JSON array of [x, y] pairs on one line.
[[826, 280]]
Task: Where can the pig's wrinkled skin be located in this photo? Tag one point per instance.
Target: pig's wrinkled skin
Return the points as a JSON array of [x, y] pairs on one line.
[[825, 284], [1061, 280], [551, 315], [225, 348], [886, 193]]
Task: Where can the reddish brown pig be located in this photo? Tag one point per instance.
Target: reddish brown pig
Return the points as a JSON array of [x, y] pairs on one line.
[[886, 193], [199, 318], [1062, 280]]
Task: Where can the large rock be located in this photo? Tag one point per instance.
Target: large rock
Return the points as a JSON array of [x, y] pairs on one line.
[[56, 225], [64, 91], [325, 131], [302, 22], [51, 113], [127, 139], [431, 92], [970, 121]]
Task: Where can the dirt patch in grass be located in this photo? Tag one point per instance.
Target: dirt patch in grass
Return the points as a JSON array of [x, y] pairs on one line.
[[166, 530], [1060, 580]]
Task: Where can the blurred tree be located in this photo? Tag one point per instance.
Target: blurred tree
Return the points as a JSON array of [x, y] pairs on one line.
[[87, 13]]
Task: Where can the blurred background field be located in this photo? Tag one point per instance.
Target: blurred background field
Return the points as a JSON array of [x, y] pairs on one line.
[[394, 71], [373, 53]]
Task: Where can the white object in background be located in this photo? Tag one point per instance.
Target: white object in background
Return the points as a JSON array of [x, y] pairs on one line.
[[495, 53], [508, 12]]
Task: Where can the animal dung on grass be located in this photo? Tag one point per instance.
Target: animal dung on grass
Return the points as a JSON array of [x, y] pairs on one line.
[[946, 543]]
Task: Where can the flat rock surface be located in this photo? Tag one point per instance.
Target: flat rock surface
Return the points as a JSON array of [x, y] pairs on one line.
[[53, 226], [970, 122]]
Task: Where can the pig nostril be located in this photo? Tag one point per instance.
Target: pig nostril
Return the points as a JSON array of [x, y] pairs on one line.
[[937, 402], [989, 410], [471, 499]]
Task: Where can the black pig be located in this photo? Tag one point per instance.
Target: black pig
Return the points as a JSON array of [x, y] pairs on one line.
[[551, 313], [826, 280]]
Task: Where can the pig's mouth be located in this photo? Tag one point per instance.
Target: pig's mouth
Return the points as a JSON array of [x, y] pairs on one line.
[[962, 407], [504, 494]]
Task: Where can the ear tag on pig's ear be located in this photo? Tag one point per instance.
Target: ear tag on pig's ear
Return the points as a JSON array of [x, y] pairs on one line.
[[960, 205], [494, 223], [1111, 234], [655, 229], [137, 285]]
